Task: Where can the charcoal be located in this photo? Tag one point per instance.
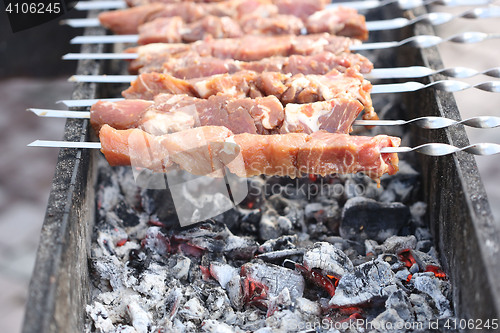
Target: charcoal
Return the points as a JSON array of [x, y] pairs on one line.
[[223, 273], [278, 256], [423, 234], [402, 274], [278, 303], [396, 244], [150, 274], [181, 269], [250, 216], [391, 259], [371, 246], [235, 292], [414, 269], [100, 317], [388, 321], [327, 258], [364, 283], [268, 227], [366, 218], [317, 230], [428, 284], [418, 210], [138, 260], [193, 310], [128, 187], [160, 204], [230, 218], [307, 306], [401, 185], [127, 215], [424, 260], [237, 247], [288, 208], [156, 241], [172, 302], [275, 278], [424, 246], [214, 326], [218, 305], [423, 311], [400, 302], [280, 243], [285, 321], [140, 318]]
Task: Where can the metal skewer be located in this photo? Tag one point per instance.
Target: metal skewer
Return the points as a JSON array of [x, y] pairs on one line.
[[360, 5], [424, 122], [444, 85], [432, 149], [420, 71], [378, 73], [422, 41], [432, 18]]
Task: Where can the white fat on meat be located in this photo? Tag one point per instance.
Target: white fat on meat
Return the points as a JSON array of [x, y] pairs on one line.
[[295, 116], [158, 123]]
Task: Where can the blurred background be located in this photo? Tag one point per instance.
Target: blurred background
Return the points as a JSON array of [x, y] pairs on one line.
[[32, 74]]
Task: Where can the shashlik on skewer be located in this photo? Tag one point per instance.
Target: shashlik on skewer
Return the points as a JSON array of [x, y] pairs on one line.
[[246, 48], [173, 27], [127, 21], [263, 115], [298, 88], [195, 66], [205, 150]]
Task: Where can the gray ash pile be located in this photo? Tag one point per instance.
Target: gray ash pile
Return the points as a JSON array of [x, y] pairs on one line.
[[316, 254]]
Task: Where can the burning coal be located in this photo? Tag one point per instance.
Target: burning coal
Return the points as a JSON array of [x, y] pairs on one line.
[[285, 259]]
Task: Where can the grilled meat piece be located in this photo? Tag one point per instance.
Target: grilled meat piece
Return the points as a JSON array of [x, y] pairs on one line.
[[246, 48], [204, 150], [338, 21], [321, 63], [298, 88], [264, 115]]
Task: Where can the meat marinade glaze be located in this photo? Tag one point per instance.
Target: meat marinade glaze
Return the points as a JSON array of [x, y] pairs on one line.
[[205, 150], [264, 115]]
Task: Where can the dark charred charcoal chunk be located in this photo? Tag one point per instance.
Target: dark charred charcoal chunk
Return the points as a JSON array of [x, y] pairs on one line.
[[127, 215], [366, 218], [280, 243], [160, 204]]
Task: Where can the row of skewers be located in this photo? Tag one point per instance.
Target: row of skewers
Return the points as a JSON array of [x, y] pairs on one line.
[[264, 101]]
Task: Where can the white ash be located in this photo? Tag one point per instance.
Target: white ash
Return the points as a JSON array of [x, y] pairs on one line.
[[365, 282], [435, 288], [223, 273], [228, 274], [328, 258]]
